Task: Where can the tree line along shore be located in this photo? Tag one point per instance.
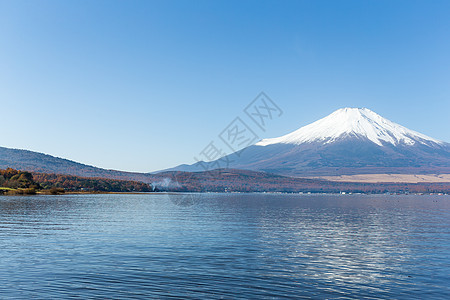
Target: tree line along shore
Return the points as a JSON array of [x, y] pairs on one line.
[[17, 182]]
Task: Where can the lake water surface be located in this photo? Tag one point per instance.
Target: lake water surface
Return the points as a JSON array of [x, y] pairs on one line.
[[229, 246]]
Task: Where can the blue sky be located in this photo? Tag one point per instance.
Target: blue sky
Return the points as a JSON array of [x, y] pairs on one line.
[[146, 85]]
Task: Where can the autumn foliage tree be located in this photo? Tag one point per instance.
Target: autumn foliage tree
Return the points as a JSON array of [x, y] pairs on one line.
[[17, 179]]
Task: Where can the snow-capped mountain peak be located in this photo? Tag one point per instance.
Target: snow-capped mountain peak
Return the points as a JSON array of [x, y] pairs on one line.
[[349, 141], [357, 122]]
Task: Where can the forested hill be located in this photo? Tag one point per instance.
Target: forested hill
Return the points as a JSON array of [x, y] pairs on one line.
[[44, 163]]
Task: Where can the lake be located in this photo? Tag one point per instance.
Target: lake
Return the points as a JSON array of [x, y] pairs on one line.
[[229, 246]]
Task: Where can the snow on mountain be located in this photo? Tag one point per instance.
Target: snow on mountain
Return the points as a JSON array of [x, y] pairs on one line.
[[358, 122]]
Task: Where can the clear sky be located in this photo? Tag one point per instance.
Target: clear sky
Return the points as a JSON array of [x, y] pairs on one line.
[[146, 85]]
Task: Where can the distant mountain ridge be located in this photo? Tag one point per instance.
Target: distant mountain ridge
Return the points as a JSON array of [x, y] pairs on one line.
[[44, 163], [348, 141]]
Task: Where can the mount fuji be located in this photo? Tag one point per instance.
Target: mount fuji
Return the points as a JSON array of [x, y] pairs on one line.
[[348, 141]]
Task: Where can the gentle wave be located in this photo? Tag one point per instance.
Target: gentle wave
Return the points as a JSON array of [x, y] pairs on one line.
[[236, 246]]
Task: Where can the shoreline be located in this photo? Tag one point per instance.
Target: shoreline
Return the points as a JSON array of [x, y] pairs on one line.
[[265, 193]]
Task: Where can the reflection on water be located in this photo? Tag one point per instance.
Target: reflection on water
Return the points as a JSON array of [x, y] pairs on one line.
[[225, 246]]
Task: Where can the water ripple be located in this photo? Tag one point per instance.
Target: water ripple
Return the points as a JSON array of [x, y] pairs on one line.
[[236, 246]]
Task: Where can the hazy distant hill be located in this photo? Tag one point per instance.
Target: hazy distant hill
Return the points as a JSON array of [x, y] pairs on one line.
[[39, 162]]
